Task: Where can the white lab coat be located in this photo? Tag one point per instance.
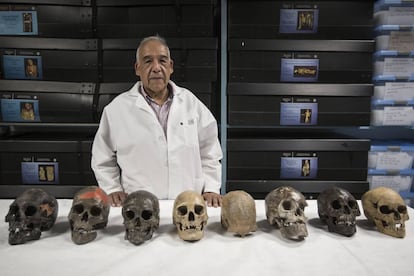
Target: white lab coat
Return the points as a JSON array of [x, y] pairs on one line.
[[130, 151]]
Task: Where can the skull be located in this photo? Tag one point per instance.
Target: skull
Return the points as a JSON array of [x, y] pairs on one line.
[[238, 213], [89, 212], [190, 215], [285, 207], [387, 210], [339, 209], [31, 213], [141, 213]]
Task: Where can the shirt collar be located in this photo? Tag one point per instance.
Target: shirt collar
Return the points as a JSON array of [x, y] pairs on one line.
[[171, 93]]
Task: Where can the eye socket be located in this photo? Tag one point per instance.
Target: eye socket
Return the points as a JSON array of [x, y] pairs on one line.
[[30, 210], [402, 209], [336, 204], [198, 209], [14, 209], [385, 209], [146, 214], [182, 210], [78, 208], [287, 205], [352, 204], [129, 214], [95, 211]]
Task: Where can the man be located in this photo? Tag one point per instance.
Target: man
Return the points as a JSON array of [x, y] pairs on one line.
[[157, 136]]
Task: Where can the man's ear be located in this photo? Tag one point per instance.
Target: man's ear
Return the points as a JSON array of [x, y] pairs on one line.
[[136, 68]]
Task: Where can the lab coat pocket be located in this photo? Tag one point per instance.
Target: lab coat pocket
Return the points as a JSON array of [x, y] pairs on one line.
[[190, 133]]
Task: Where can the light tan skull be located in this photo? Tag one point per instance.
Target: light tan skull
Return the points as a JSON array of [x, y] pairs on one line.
[[285, 207], [238, 213], [387, 210], [190, 215]]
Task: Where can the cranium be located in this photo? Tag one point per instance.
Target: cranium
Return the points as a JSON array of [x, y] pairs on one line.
[[190, 215], [285, 208], [339, 209], [238, 213], [141, 213], [31, 213], [89, 212], [387, 210]]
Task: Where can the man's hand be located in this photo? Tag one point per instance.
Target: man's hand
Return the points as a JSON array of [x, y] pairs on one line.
[[212, 199], [117, 198]]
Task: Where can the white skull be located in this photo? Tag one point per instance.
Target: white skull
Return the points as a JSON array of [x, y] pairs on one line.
[[89, 212], [285, 208], [238, 213], [190, 215], [387, 210], [141, 213], [339, 209], [31, 213]]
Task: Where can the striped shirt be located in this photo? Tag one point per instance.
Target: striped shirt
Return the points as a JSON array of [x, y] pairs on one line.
[[161, 111]]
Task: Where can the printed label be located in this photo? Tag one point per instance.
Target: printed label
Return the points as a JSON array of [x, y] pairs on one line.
[[298, 111], [299, 165], [40, 170]]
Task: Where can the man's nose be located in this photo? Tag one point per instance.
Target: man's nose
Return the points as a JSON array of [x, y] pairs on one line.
[[156, 66]]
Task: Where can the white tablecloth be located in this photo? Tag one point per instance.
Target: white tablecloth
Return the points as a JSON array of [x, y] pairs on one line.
[[265, 252]]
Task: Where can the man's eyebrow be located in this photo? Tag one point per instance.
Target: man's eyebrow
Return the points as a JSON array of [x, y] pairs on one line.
[[150, 56]]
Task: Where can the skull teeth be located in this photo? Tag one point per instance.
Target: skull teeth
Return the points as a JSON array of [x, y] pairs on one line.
[[396, 227], [191, 227]]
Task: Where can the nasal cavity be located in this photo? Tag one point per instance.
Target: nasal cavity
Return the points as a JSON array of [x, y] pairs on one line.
[[191, 216]]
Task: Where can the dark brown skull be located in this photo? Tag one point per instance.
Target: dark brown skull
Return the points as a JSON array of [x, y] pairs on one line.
[[141, 213], [31, 213], [339, 209]]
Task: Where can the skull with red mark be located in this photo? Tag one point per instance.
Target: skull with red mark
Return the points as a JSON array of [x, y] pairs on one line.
[[31, 213], [89, 212]]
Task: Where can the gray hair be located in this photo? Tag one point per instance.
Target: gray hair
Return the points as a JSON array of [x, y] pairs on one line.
[[152, 38]]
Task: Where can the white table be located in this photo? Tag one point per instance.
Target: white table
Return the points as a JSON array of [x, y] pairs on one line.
[[265, 252]]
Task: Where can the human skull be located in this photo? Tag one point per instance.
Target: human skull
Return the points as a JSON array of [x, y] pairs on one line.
[[89, 212], [141, 213], [387, 210], [339, 209], [190, 215], [238, 213], [285, 208], [31, 213]]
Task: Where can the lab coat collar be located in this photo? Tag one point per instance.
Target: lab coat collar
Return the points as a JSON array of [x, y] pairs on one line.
[[142, 103]]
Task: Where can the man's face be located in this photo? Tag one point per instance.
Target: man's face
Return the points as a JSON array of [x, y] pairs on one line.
[[154, 67]]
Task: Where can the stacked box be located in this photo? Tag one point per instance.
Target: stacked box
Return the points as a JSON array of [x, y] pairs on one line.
[[390, 164], [393, 100]]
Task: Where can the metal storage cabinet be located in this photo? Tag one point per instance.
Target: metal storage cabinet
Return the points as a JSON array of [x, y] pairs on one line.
[[297, 162], [48, 163], [322, 61], [130, 18], [331, 19], [275, 104], [57, 102], [55, 18], [60, 59]]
